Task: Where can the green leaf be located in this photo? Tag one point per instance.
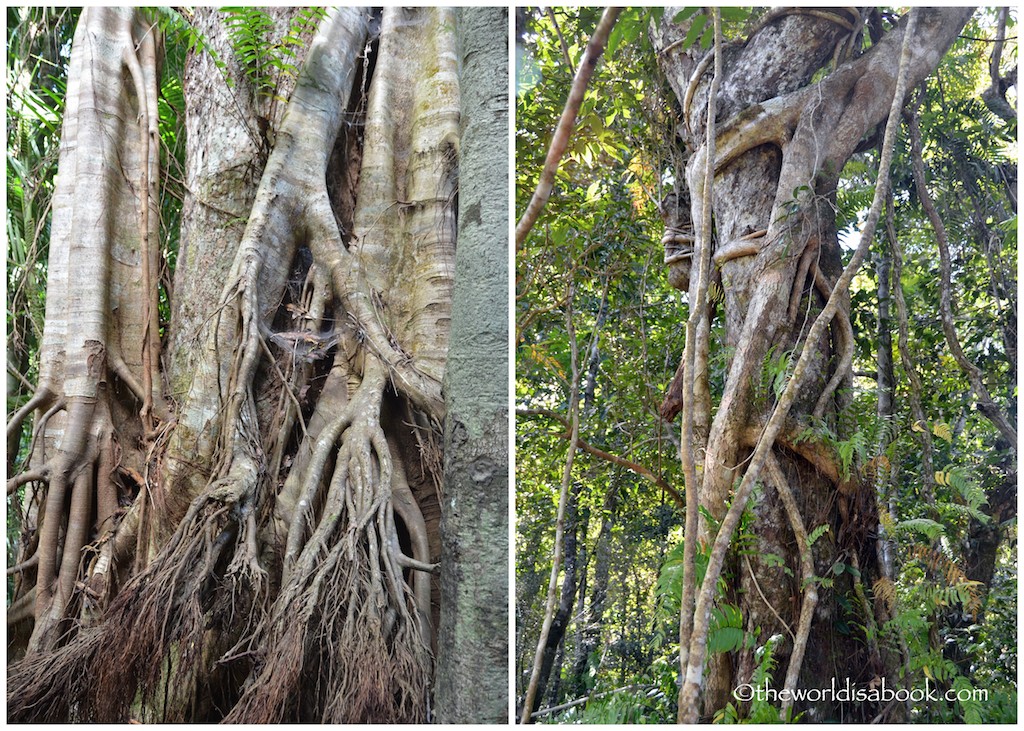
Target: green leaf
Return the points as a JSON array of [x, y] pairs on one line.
[[817, 533], [684, 14], [726, 631], [925, 526], [735, 14], [695, 30], [708, 37]]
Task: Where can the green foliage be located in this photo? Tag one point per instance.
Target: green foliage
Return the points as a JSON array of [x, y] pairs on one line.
[[250, 29], [598, 237], [852, 451], [775, 372], [761, 711], [669, 587], [924, 526], [817, 533], [182, 38], [726, 633], [265, 60]]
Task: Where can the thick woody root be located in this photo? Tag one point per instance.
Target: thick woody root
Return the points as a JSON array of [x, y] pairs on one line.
[[156, 624], [78, 471]]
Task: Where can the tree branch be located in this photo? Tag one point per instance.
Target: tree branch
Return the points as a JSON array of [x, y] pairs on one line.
[[986, 405], [585, 699], [560, 140], [634, 467], [561, 41]]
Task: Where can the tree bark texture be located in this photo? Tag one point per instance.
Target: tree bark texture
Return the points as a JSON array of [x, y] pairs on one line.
[[263, 544], [473, 637], [781, 144]]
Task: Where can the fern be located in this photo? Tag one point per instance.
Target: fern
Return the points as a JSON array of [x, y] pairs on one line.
[[817, 533], [726, 632], [266, 64], [248, 31], [668, 589], [850, 451], [927, 527], [969, 705], [180, 32], [959, 589], [969, 490], [761, 711], [885, 590]]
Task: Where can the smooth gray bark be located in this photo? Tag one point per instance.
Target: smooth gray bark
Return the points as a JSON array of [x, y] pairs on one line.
[[472, 673]]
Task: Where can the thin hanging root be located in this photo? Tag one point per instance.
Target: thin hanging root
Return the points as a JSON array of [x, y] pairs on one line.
[[160, 616], [365, 401], [51, 687], [803, 630], [810, 252], [844, 342], [145, 94], [404, 504]]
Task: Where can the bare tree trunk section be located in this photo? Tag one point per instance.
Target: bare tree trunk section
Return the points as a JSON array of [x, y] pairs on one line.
[[554, 646], [472, 663]]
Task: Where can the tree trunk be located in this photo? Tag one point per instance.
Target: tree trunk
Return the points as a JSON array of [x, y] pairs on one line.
[[592, 621], [473, 638], [566, 597], [782, 142], [262, 545]]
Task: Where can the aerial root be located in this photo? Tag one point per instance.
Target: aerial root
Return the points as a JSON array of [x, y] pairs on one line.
[[69, 493], [159, 620], [344, 643], [810, 598], [364, 661], [40, 400], [52, 687], [843, 334], [806, 259], [38, 475]]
